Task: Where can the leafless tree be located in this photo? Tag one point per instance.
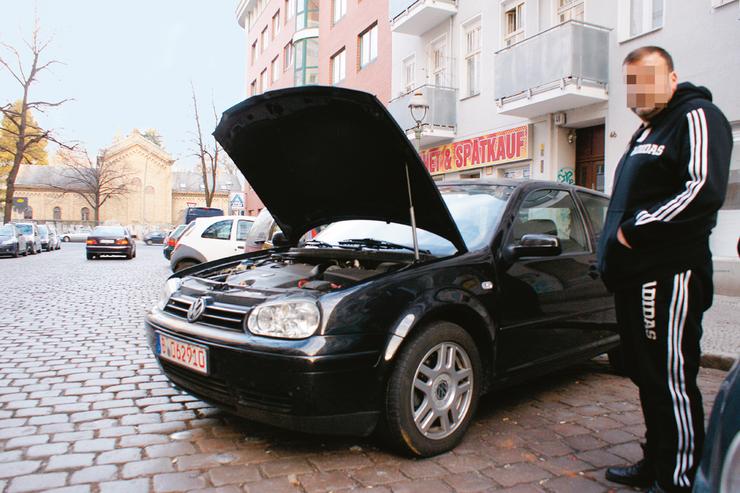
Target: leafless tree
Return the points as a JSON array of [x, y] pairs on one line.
[[25, 136], [95, 181], [209, 155]]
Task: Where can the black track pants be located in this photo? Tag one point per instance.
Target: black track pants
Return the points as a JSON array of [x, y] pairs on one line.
[[660, 324]]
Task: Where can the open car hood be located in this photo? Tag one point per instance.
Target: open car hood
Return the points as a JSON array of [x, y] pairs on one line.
[[319, 154]]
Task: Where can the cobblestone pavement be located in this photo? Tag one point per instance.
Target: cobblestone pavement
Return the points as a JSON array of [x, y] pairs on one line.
[[721, 334], [84, 408]]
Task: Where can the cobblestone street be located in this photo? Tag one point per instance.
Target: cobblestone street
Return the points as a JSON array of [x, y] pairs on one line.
[[84, 408]]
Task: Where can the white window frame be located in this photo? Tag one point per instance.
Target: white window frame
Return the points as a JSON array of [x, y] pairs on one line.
[[263, 81], [275, 24], [561, 9], [439, 72], [520, 10], [264, 39], [339, 66], [471, 55], [409, 73], [371, 34], [287, 56], [338, 10], [275, 69], [289, 10], [625, 19]]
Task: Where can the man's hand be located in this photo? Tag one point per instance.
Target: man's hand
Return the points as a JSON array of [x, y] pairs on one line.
[[621, 239]]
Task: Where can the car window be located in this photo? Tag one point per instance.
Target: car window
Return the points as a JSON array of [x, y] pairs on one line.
[[551, 212], [595, 210], [218, 231], [242, 229], [109, 231]]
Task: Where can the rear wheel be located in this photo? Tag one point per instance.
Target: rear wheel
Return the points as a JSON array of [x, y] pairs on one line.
[[184, 264], [148, 242], [65, 239], [433, 391]]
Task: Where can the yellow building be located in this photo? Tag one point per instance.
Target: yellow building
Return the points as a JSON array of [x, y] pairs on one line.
[[156, 193]]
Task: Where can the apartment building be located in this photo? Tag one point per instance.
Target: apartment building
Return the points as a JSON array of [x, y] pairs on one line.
[[329, 42], [533, 88]]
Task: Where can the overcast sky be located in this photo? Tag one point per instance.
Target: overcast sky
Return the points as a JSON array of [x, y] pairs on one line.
[[129, 65]]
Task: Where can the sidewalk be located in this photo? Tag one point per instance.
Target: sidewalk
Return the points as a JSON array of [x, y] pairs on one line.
[[720, 343]]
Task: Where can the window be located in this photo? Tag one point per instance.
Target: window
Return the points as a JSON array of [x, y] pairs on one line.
[[570, 10], [472, 59], [595, 207], [306, 61], [340, 8], [551, 212], [253, 53], [253, 88], [263, 81], [644, 16], [338, 67], [514, 27], [28, 212], [218, 231], [409, 73], [289, 10], [275, 69], [438, 61], [85, 214], [263, 40], [57, 214], [287, 55], [275, 24], [242, 228], [719, 3], [369, 45], [307, 14]]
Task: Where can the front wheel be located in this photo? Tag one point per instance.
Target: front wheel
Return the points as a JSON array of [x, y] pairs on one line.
[[65, 239], [17, 252], [433, 391]]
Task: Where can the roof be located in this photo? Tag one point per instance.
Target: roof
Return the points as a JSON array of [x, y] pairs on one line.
[[192, 182]]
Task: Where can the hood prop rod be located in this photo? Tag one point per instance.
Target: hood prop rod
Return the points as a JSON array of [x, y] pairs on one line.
[[412, 215]]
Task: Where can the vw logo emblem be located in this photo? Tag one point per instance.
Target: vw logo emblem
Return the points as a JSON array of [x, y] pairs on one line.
[[197, 309]]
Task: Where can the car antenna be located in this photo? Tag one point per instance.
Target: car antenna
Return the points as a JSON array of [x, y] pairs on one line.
[[412, 215]]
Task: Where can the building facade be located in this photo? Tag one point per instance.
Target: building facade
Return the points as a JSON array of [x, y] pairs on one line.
[[156, 194], [329, 42], [533, 88]]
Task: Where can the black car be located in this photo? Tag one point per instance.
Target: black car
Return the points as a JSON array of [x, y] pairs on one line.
[[369, 325], [155, 237], [192, 213], [110, 240], [171, 240]]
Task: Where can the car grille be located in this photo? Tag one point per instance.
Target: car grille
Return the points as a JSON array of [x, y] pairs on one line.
[[218, 315]]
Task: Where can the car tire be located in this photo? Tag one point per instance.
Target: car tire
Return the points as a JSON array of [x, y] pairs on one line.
[[17, 252], [65, 239], [617, 361], [90, 256], [148, 242], [184, 264], [450, 386]]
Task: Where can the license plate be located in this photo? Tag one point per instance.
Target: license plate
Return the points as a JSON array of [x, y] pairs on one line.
[[192, 356], [107, 242]]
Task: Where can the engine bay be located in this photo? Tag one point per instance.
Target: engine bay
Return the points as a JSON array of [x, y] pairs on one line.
[[313, 271]]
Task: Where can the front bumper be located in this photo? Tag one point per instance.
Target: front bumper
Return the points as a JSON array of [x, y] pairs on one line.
[[109, 249], [325, 394], [8, 249]]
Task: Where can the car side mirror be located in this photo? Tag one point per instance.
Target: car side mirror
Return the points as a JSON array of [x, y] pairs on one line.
[[536, 245], [279, 239]]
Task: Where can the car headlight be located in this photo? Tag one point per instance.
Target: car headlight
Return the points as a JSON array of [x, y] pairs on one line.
[[170, 287], [287, 320]]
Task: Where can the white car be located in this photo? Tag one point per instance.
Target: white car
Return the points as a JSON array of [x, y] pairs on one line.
[[210, 238]]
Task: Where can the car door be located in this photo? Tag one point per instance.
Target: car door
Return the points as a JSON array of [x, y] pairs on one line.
[[215, 241], [240, 235], [546, 300]]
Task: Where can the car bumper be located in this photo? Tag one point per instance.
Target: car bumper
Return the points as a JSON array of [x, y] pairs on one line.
[[109, 249], [327, 394], [8, 249]]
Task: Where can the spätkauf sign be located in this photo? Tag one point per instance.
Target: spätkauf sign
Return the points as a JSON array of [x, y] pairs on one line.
[[494, 148]]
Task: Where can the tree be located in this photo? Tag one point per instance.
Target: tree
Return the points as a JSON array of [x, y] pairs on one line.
[[95, 181], [21, 133], [153, 136], [35, 153], [209, 156]]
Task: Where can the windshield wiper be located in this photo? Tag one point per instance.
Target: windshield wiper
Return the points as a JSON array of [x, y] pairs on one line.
[[378, 245], [319, 243]]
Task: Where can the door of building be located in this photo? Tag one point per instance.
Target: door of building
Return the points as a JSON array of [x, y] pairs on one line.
[[590, 157]]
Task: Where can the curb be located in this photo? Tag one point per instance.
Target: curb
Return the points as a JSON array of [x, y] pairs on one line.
[[718, 361]]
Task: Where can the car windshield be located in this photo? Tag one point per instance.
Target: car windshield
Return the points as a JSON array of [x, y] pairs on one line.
[[6, 230], [108, 231], [43, 230], [476, 209], [26, 229]]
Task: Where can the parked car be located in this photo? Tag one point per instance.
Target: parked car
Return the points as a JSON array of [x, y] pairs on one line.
[[719, 469], [110, 240], [12, 241], [265, 233], [192, 213], [47, 243], [210, 238], [76, 236], [31, 232], [171, 240], [155, 237], [354, 330], [55, 240]]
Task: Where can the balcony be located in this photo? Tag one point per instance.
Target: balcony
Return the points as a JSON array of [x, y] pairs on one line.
[[562, 68], [418, 16], [440, 124]]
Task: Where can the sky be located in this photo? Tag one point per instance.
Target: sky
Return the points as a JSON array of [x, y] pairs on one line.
[[129, 64]]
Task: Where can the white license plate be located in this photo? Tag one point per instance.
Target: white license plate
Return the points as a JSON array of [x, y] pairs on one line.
[[107, 242], [192, 356]]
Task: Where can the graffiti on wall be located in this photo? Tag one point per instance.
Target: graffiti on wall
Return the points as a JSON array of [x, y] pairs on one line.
[[565, 175]]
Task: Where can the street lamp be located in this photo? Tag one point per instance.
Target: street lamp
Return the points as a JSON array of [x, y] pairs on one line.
[[418, 107]]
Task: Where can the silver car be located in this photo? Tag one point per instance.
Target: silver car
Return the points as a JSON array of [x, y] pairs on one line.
[[77, 236], [12, 241], [33, 238]]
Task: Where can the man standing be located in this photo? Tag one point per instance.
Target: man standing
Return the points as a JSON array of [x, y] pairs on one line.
[[654, 255]]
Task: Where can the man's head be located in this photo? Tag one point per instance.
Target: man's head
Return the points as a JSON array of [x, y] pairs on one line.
[[650, 79]]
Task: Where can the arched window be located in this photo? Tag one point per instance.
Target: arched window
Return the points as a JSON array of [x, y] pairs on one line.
[[28, 212], [136, 184], [57, 213], [85, 214]]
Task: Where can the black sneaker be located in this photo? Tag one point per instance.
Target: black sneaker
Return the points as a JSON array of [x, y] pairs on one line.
[[640, 475]]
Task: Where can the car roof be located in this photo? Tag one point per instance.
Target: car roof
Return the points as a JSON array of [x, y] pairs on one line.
[[520, 183]]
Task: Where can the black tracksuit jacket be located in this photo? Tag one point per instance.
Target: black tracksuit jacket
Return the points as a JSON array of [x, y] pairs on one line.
[[667, 189]]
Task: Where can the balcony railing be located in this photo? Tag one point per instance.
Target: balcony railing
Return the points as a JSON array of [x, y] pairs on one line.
[[418, 16], [572, 53], [440, 122]]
